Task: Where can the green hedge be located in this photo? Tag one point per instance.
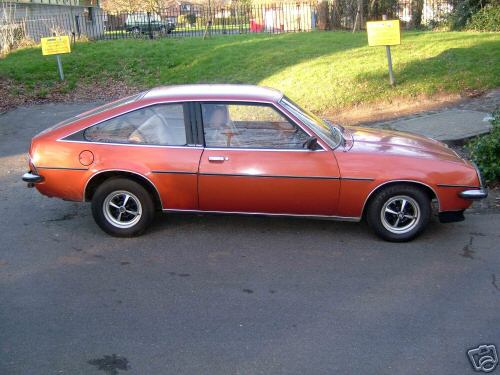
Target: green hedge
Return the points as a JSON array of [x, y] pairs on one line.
[[485, 151], [487, 19]]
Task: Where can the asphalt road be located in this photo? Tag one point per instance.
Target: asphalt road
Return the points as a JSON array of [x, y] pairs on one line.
[[232, 295]]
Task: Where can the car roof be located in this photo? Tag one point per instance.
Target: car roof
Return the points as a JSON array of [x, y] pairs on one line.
[[214, 92]]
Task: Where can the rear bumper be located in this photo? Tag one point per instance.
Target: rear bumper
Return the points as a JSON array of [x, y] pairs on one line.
[[32, 178], [474, 194]]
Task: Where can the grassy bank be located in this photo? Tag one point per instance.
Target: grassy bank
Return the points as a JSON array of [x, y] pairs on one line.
[[323, 71]]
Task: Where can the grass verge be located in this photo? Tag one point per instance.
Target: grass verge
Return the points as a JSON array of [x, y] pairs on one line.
[[324, 71]]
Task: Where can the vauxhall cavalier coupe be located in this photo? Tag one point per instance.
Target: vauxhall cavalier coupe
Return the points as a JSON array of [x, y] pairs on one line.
[[245, 150]]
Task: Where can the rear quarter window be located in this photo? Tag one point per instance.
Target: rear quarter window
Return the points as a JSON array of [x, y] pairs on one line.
[[161, 124]]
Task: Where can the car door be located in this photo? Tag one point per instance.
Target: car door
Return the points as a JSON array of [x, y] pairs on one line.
[[255, 161]]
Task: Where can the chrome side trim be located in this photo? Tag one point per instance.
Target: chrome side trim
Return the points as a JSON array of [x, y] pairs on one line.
[[173, 172], [263, 149], [474, 194], [197, 147], [275, 105], [357, 178], [64, 169], [120, 170], [264, 176], [305, 216], [152, 104], [129, 144], [393, 181], [457, 186], [268, 176]]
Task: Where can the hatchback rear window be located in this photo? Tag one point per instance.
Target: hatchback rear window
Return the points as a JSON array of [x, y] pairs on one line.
[[95, 111]]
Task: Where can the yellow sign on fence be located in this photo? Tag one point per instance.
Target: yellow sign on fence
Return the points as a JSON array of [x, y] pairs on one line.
[[383, 33], [56, 45]]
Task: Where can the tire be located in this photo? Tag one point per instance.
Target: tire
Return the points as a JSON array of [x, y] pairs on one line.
[[118, 215], [394, 224]]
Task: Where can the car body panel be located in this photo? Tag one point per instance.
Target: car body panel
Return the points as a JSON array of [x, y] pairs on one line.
[[378, 157], [327, 182], [282, 182], [172, 170]]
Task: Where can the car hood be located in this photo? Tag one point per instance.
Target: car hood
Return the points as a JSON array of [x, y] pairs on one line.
[[392, 142]]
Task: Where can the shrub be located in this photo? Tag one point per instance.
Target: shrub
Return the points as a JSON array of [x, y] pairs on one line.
[[462, 12], [191, 18], [485, 151], [12, 31], [487, 19], [186, 19]]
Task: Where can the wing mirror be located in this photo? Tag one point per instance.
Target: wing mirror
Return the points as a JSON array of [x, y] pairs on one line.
[[311, 143]]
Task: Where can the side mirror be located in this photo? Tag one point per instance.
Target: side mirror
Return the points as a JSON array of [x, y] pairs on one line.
[[311, 143]]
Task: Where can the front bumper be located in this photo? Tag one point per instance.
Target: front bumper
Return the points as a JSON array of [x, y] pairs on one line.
[[474, 194], [32, 178]]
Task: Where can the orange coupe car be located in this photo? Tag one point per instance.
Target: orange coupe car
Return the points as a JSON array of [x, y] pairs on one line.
[[242, 149]]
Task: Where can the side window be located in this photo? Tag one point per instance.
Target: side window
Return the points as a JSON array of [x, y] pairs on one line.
[[249, 126], [161, 124]]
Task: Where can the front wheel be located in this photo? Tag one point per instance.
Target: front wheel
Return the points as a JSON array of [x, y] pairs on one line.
[[122, 207], [399, 213]]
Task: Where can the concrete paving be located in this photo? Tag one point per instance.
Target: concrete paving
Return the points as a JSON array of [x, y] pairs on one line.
[[448, 126]]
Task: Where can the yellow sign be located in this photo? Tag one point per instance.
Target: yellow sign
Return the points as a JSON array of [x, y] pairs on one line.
[[383, 33], [55, 45]]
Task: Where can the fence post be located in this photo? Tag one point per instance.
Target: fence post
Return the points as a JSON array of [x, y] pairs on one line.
[[150, 30], [77, 22]]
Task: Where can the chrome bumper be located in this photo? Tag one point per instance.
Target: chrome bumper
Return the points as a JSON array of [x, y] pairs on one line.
[[32, 178], [474, 194]]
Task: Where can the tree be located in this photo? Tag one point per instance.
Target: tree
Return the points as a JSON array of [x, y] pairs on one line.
[[117, 6], [416, 13]]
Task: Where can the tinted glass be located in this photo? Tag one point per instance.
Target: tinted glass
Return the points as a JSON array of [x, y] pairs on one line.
[[332, 135], [249, 126], [156, 125], [105, 107]]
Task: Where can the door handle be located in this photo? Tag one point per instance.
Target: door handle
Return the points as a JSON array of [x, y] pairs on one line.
[[217, 158]]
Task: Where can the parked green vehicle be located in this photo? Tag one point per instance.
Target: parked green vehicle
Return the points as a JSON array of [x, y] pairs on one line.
[[142, 23]]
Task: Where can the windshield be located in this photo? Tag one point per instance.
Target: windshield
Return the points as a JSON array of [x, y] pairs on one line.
[[327, 132]]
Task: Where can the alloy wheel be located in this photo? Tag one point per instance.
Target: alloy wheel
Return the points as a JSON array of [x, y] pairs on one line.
[[400, 214], [122, 209]]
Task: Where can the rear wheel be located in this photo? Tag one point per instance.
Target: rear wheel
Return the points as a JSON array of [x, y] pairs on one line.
[[122, 207], [399, 213]]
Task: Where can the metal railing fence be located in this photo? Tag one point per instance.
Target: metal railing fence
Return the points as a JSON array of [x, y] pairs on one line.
[[196, 20]]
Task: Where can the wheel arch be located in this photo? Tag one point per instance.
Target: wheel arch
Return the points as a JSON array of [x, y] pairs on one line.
[[426, 188], [99, 177]]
